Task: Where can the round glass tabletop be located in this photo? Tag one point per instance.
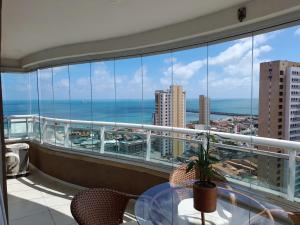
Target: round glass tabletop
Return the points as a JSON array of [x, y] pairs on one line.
[[167, 205]]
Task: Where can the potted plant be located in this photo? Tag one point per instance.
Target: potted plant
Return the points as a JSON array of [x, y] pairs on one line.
[[204, 189]]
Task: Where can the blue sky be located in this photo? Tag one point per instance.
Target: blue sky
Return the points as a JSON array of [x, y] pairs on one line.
[[229, 72]]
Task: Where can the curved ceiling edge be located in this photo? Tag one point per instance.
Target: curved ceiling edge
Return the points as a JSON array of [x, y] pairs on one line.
[[223, 24]]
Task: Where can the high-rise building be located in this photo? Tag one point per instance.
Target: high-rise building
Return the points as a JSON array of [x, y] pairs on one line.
[[279, 116], [203, 110], [170, 108]]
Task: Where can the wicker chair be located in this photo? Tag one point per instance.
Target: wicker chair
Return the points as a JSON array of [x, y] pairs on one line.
[[99, 206], [295, 217], [179, 177], [277, 215]]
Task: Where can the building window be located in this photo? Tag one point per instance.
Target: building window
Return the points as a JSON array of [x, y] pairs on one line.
[[279, 120], [281, 79], [281, 86], [279, 113], [279, 126], [281, 72], [280, 93]]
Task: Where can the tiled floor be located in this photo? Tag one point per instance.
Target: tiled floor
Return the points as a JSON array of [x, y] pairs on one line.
[[41, 200]]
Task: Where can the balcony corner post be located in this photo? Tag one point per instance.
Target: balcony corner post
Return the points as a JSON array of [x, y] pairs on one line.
[[148, 141], [43, 133], [102, 139], [27, 132], [67, 134], [292, 174]]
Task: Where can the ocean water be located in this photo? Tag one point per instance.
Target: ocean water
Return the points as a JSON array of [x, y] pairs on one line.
[[131, 111]]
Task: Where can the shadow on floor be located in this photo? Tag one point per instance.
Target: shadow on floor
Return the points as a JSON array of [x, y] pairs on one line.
[[51, 188], [34, 212]]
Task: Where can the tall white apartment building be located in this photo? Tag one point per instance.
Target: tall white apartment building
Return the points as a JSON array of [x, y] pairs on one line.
[[292, 114], [170, 110], [292, 108]]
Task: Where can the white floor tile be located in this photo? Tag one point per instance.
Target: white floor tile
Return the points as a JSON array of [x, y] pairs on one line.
[[28, 194], [62, 215], [56, 201], [26, 208], [40, 200], [43, 218], [11, 188]]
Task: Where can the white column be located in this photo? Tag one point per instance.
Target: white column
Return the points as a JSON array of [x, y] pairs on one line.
[[67, 134], [292, 175], [43, 134], [148, 142], [27, 127], [8, 127], [102, 139]]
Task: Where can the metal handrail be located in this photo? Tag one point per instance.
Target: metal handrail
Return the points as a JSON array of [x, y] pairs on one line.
[[291, 153], [289, 145]]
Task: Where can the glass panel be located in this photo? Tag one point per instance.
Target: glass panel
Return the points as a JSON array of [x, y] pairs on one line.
[[16, 101], [230, 94], [128, 90], [129, 108], [158, 142], [189, 89], [103, 102], [61, 91], [81, 106], [276, 94], [125, 142], [61, 101], [297, 179], [229, 85], [157, 81], [103, 91], [34, 105], [46, 105]]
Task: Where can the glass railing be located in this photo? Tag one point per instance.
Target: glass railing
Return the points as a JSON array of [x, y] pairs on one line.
[[245, 160]]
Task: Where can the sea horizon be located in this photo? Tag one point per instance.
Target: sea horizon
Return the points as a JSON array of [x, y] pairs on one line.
[[121, 110]]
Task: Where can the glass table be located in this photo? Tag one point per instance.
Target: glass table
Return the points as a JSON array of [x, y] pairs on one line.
[[168, 205]]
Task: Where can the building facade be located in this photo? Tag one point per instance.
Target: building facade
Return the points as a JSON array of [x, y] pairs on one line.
[[203, 110], [170, 110], [279, 116]]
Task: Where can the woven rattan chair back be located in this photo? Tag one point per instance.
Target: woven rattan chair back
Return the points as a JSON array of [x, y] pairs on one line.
[[99, 207], [179, 176]]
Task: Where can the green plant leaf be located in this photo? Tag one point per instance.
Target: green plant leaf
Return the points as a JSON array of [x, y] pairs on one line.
[[190, 166], [213, 159]]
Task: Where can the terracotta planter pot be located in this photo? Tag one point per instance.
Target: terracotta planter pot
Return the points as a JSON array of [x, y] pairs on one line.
[[205, 196]]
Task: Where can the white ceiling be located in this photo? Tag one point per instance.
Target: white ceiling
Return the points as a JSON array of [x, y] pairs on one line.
[[29, 26]]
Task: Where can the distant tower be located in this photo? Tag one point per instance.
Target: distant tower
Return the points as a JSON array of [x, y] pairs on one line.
[[279, 110], [170, 108], [203, 110]]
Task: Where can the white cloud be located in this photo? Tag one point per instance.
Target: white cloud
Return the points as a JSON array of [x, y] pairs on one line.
[[230, 70], [63, 84], [169, 60], [45, 74], [297, 32]]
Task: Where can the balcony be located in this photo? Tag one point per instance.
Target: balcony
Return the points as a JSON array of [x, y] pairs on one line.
[[138, 145], [109, 94]]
